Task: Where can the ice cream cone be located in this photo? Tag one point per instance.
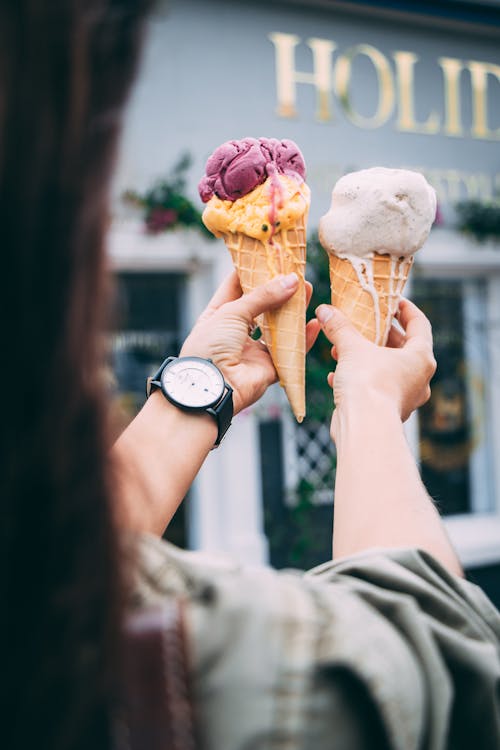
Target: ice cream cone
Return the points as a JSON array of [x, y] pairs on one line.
[[283, 330], [368, 292]]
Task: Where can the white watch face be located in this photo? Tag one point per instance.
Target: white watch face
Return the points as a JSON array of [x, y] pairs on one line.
[[193, 382]]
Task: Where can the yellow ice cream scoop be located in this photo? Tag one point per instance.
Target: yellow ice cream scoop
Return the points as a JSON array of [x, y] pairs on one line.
[[251, 214]]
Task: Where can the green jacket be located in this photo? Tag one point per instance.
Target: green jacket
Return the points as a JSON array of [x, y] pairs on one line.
[[382, 649]]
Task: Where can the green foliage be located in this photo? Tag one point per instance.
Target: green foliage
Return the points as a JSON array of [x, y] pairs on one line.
[[165, 204], [302, 519], [300, 534], [481, 220], [319, 361]]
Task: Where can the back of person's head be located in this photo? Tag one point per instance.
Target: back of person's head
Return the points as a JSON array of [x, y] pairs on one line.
[[65, 71]]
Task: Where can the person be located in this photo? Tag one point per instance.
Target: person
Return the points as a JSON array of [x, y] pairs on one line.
[[384, 646]]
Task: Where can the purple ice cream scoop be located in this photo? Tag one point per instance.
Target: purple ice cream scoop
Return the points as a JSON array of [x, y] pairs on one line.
[[237, 167]]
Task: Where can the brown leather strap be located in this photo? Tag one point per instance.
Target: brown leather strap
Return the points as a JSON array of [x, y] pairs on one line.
[[157, 708]]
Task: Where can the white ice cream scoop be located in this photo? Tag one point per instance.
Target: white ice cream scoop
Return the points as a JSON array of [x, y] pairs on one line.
[[377, 220], [378, 210]]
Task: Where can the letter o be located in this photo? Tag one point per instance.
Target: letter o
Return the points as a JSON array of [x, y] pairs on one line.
[[343, 72]]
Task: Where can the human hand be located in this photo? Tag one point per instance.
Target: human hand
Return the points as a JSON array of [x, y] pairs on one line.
[[221, 334], [398, 374]]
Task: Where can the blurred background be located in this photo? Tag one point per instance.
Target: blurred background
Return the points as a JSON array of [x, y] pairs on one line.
[[356, 84]]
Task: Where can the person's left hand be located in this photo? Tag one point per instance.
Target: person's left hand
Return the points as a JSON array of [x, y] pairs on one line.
[[222, 334]]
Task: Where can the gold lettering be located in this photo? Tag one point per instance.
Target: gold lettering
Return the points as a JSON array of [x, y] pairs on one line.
[[405, 64], [452, 185], [452, 68], [472, 185], [479, 76], [343, 74], [485, 187], [287, 76], [327, 79], [478, 186], [453, 180], [322, 56], [284, 46], [435, 178]]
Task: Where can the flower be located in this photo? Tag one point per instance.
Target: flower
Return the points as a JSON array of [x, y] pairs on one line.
[[439, 219], [165, 204], [160, 219], [480, 219]]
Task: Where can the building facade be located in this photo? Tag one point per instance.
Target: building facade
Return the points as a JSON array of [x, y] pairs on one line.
[[413, 85]]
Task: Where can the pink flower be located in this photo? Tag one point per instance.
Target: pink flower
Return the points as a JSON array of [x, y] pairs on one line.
[[439, 220], [274, 411], [160, 219]]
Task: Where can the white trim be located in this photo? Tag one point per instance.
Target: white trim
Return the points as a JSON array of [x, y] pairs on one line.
[[131, 249], [289, 453], [454, 254], [476, 538], [449, 254], [477, 375], [492, 394], [412, 432]]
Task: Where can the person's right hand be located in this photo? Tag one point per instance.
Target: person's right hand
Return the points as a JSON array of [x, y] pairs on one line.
[[399, 374], [222, 333]]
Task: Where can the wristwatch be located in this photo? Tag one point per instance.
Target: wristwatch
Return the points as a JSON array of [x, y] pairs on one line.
[[194, 384]]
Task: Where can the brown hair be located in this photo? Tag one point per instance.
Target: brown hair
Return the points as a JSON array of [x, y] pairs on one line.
[[65, 71]]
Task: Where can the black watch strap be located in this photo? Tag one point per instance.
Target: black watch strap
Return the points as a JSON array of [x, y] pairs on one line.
[[154, 381], [222, 412]]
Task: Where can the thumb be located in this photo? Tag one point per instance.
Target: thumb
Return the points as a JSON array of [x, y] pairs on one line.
[[266, 297], [337, 328]]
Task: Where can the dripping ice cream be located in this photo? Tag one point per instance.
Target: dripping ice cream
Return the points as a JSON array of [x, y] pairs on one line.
[[378, 219], [257, 200]]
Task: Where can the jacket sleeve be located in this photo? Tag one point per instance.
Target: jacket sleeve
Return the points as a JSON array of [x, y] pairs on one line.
[[430, 646], [383, 649]]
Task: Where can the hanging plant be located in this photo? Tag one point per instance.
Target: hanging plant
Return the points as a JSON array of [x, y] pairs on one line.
[[165, 205], [479, 219]]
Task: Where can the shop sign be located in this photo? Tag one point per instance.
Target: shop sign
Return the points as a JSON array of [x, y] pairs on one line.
[[397, 90]]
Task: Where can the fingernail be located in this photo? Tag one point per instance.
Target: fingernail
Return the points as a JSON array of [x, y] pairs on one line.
[[324, 313], [289, 281]]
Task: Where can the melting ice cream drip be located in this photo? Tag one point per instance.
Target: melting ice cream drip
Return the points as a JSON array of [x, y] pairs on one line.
[[400, 268], [373, 213], [276, 250], [364, 271], [275, 205]]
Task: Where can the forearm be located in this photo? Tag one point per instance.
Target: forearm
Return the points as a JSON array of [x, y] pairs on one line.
[[380, 500], [155, 461]]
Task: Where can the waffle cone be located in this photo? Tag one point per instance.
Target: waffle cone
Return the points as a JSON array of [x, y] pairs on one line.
[[283, 330], [352, 292]]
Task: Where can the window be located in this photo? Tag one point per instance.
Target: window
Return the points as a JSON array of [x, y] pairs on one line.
[[147, 320], [455, 455], [147, 323]]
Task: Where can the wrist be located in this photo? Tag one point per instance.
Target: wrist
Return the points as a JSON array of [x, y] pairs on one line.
[[156, 459], [367, 417], [168, 421], [369, 400], [196, 386]]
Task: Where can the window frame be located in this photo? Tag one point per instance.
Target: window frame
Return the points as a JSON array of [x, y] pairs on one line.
[[449, 254]]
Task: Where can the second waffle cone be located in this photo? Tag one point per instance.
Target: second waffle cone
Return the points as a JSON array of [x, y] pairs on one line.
[[357, 302], [283, 330]]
